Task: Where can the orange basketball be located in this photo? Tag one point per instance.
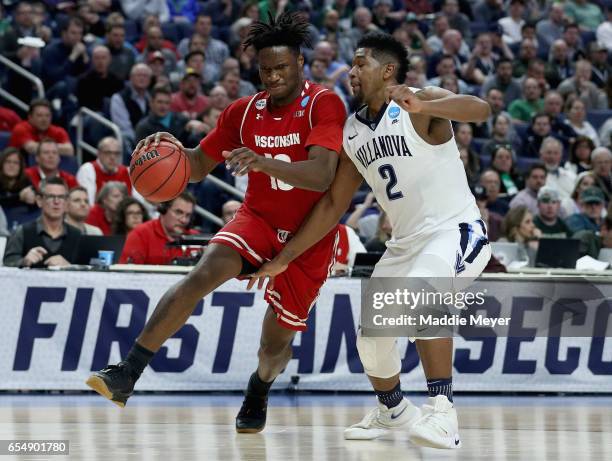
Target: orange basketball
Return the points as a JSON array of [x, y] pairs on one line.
[[160, 174]]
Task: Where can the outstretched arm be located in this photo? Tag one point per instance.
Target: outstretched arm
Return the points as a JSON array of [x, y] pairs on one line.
[[323, 217], [440, 103]]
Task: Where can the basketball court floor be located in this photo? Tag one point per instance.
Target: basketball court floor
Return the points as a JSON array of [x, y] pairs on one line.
[[303, 427]]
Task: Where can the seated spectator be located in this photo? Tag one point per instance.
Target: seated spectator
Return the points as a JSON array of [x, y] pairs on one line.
[[571, 205], [15, 186], [601, 69], [196, 59], [147, 243], [161, 119], [601, 161], [77, 210], [559, 66], [364, 218], [503, 81], [502, 161], [456, 19], [528, 197], [107, 167], [522, 110], [592, 203], [481, 63], [573, 39], [66, 57], [551, 28], [131, 104], [215, 50], [495, 99], [138, 10], [92, 21], [553, 106], [203, 125], [605, 133], [576, 118], [586, 14], [189, 100], [218, 98], [513, 23], [558, 177], [518, 227], [548, 218], [500, 135], [157, 62], [581, 85], [378, 243], [347, 248], [155, 45], [8, 119], [27, 135], [604, 31], [122, 56], [488, 11], [229, 209], [246, 88], [528, 52], [580, 155], [47, 165], [103, 212], [451, 46], [444, 68], [130, 213], [97, 84], [489, 179], [492, 220], [48, 241], [539, 129]]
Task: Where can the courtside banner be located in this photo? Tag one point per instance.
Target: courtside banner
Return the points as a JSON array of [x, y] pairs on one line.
[[56, 327]]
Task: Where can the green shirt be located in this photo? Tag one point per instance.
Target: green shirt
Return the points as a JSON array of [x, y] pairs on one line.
[[521, 109], [587, 15], [557, 230]]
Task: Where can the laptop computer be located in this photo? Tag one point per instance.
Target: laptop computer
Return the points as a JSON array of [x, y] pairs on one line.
[[557, 253], [505, 252], [364, 264], [89, 245]]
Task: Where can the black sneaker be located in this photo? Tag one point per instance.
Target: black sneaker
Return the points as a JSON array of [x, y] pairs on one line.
[[115, 382], [252, 416]]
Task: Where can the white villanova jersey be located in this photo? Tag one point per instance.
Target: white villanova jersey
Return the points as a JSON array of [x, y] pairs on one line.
[[422, 187]]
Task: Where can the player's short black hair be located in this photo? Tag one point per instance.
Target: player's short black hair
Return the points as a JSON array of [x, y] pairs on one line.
[[289, 29], [386, 46]]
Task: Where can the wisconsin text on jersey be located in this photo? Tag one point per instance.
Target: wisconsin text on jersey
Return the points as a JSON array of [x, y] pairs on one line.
[[381, 147], [292, 139]]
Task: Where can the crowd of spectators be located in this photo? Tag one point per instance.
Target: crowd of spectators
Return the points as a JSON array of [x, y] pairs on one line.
[[539, 166]]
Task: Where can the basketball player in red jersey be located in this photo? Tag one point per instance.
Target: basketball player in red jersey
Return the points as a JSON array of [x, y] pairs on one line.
[[287, 140]]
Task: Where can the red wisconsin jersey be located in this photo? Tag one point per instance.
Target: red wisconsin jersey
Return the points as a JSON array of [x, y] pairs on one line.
[[315, 118]]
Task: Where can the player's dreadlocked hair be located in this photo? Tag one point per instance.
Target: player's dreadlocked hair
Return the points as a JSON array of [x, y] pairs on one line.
[[289, 30], [385, 47]]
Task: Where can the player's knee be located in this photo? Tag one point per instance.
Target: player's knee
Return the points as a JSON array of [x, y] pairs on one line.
[[274, 350], [379, 356]]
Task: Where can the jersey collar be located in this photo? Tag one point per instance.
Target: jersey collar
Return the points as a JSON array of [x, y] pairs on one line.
[[372, 124]]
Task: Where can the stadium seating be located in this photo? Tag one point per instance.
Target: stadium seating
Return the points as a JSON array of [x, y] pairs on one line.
[[4, 138], [598, 117]]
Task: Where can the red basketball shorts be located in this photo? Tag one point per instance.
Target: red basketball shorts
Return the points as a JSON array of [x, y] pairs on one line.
[[296, 289]]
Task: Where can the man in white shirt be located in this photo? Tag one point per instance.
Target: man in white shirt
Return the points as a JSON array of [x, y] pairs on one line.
[[107, 167], [558, 178], [513, 23], [604, 31]]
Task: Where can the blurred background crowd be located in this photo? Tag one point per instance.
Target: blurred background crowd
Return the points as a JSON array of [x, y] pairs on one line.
[[540, 166]]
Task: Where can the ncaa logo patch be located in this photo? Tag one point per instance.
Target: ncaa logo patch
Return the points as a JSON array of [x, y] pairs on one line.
[[304, 102], [260, 104], [394, 112]]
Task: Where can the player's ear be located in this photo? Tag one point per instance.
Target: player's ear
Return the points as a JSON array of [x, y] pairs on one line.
[[300, 60], [389, 71]]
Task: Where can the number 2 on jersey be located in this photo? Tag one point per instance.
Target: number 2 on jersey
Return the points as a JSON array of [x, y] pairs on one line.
[[386, 171], [275, 183]]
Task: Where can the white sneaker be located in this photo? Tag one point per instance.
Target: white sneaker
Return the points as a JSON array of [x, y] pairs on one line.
[[438, 427], [381, 419]]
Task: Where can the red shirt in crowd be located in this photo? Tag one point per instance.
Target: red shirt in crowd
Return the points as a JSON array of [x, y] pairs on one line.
[[188, 107], [36, 176], [146, 244], [8, 119], [24, 132], [96, 217]]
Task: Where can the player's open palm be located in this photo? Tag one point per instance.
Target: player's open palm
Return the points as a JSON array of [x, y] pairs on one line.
[[269, 270], [405, 98]]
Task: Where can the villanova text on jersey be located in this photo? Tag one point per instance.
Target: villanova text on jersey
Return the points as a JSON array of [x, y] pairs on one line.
[[382, 147]]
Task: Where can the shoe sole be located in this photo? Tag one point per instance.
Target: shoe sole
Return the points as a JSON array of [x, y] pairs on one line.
[[98, 385], [249, 430], [449, 443]]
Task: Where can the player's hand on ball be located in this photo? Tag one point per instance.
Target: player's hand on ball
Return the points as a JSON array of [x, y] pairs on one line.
[[269, 270], [242, 160], [153, 141], [405, 98]]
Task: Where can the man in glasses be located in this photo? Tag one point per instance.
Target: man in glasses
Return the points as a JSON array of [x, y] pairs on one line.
[[47, 241], [107, 167]]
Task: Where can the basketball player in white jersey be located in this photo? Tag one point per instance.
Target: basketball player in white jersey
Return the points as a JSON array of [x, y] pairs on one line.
[[401, 141]]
